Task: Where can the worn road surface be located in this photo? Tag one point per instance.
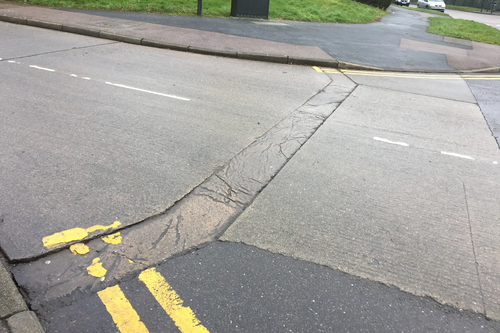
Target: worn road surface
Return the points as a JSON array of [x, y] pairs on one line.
[[219, 195]]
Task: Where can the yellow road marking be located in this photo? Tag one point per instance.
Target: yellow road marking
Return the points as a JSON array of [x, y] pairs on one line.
[[425, 76], [103, 227], [125, 317], [113, 238], [440, 76], [183, 317], [317, 69], [79, 248], [71, 235], [96, 269]]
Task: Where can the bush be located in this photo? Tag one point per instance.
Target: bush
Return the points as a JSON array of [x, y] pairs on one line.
[[382, 4]]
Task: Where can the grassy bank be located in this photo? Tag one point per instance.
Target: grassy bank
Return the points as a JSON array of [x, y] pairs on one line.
[[468, 9], [430, 11], [464, 29], [338, 11]]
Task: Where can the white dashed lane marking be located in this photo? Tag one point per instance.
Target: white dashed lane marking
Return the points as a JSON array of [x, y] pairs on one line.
[[404, 144], [391, 142], [108, 83], [148, 91], [43, 68], [458, 155]]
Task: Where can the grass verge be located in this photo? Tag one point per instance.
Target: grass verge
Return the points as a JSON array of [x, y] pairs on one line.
[[464, 29], [336, 11], [430, 11], [468, 9]]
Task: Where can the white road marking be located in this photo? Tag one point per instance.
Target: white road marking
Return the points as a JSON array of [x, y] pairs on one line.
[[13, 62], [458, 155], [85, 78], [391, 142], [148, 91], [42, 68], [73, 75], [495, 162]]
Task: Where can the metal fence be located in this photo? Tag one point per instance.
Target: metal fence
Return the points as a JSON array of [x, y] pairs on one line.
[[485, 4]]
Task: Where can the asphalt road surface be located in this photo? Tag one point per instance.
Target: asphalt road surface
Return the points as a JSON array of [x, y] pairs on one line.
[[352, 202], [112, 132]]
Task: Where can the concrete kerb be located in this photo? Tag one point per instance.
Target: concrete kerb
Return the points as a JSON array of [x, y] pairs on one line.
[[120, 38], [13, 309]]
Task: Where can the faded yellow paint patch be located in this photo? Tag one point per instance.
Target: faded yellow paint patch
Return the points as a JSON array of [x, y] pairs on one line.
[[65, 236], [75, 234], [183, 317], [103, 227], [79, 248], [113, 238], [317, 69], [125, 317], [130, 261], [96, 268]]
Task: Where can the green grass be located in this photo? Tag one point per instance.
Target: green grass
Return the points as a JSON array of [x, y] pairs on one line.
[[430, 11], [468, 9], [464, 29], [338, 11]]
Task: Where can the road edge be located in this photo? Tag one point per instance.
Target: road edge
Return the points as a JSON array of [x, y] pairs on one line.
[[14, 313], [264, 57]]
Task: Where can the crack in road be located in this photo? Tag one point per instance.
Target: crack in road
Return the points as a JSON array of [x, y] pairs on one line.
[[58, 51]]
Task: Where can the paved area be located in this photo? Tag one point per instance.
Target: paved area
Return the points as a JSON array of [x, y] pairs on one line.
[[406, 45], [384, 182], [381, 185]]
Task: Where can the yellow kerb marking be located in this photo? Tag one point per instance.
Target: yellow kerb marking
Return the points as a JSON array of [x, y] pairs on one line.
[[182, 316], [79, 248], [317, 69], [96, 268], [75, 234], [122, 312], [113, 238], [103, 227]]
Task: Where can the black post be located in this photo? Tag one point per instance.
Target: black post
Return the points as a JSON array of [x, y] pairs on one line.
[[199, 7]]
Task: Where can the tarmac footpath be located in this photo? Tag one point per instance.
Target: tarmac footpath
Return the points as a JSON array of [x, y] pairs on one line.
[[305, 43]]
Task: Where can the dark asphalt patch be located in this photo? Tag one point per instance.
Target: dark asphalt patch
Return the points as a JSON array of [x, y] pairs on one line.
[[232, 287], [487, 94]]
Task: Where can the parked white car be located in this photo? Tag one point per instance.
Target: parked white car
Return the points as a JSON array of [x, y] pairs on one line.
[[432, 4]]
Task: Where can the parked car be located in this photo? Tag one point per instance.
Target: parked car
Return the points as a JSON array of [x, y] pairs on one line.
[[402, 2], [432, 4]]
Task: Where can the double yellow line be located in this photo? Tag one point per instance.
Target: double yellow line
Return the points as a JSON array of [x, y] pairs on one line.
[[410, 75], [128, 321]]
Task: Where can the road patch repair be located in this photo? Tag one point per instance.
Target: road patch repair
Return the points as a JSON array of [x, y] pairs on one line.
[[211, 207]]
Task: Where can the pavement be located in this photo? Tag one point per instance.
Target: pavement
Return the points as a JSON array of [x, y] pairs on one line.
[[397, 42]]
